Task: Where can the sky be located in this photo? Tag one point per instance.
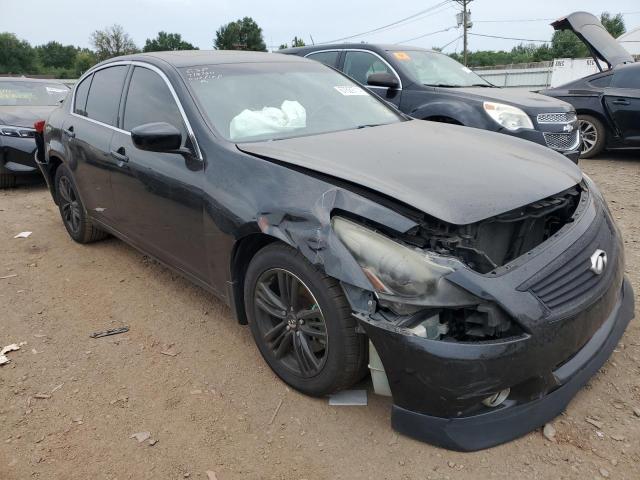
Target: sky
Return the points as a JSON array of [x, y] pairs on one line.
[[73, 21]]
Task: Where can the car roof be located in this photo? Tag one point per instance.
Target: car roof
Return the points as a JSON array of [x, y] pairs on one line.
[[189, 58], [374, 47]]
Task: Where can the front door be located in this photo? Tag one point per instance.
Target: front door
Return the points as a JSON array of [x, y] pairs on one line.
[[158, 195]]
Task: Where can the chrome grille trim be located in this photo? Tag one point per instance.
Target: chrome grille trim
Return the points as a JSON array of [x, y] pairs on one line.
[[562, 141], [562, 117]]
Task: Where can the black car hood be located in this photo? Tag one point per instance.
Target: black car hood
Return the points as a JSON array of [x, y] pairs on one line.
[[24, 116], [457, 174], [518, 98], [589, 29]]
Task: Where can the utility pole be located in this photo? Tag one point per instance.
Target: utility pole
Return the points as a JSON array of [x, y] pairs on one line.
[[465, 21]]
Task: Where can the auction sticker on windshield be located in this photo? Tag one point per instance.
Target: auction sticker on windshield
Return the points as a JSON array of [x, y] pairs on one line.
[[350, 90], [401, 56]]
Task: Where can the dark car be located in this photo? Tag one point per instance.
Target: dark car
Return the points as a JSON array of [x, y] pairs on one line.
[[608, 102], [484, 272], [429, 85], [22, 102]]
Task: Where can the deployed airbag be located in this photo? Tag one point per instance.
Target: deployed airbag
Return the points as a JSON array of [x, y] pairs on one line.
[[251, 123]]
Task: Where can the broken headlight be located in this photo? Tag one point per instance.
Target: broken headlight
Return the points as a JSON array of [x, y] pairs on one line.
[[398, 272]]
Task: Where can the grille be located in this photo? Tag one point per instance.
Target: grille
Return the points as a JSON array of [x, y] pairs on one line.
[[562, 141], [566, 117], [568, 281]]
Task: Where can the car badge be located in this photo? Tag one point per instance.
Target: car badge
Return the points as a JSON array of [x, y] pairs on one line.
[[598, 261]]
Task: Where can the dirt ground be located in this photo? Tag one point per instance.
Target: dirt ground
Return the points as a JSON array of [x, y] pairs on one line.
[[69, 404]]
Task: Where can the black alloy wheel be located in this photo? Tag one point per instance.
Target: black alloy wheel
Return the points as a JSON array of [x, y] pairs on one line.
[[291, 322], [302, 322], [69, 205], [74, 215]]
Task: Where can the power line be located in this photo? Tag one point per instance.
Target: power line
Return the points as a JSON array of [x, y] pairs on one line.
[[509, 38], [446, 45], [390, 25], [426, 35]]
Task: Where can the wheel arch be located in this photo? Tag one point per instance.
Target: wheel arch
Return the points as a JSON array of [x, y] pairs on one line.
[[243, 252]]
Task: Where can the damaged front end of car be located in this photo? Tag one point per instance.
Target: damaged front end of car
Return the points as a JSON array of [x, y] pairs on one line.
[[483, 332]]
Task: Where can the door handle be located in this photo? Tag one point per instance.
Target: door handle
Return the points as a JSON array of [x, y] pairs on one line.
[[69, 132], [621, 101], [119, 155]]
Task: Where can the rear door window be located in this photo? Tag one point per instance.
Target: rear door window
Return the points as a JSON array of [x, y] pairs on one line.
[[150, 100], [104, 95], [626, 78], [328, 58]]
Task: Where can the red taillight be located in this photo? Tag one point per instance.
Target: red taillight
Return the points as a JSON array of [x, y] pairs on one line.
[[39, 126]]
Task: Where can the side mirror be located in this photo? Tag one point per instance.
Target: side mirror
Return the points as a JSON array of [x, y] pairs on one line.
[[157, 137], [383, 79]]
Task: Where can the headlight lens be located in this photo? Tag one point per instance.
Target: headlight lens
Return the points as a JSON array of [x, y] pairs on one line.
[[20, 132], [396, 270], [510, 117]]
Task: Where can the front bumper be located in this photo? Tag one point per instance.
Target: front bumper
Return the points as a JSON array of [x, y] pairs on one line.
[[17, 155], [538, 136], [511, 420]]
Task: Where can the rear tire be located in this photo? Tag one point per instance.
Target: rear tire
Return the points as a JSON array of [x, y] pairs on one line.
[[594, 136], [74, 215], [7, 180], [311, 343]]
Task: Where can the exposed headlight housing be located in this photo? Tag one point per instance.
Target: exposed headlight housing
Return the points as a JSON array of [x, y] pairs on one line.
[[400, 272], [508, 116], [19, 132]]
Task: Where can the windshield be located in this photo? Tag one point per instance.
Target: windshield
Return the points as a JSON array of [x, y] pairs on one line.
[[31, 94], [272, 101], [432, 68]]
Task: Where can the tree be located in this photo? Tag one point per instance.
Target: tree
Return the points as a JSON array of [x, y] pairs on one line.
[[296, 42], [614, 25], [85, 59], [56, 55], [112, 42], [16, 56], [242, 34], [167, 41]]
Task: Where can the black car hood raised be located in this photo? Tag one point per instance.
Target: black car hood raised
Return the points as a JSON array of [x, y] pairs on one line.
[[21, 116], [518, 98], [589, 29], [458, 174]]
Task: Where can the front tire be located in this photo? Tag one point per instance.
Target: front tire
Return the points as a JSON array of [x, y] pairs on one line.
[[7, 180], [74, 215], [302, 323], [593, 136]]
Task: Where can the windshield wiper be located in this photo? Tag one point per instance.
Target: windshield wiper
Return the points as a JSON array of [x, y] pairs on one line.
[[484, 85], [367, 125]]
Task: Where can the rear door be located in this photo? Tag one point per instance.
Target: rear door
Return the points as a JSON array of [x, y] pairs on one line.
[[359, 64], [328, 57], [622, 99], [158, 195], [87, 133]]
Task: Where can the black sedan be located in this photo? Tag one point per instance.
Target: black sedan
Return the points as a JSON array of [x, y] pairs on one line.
[[480, 275], [608, 103], [23, 101], [432, 86]]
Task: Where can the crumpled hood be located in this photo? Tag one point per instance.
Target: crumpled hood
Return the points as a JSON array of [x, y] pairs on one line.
[[24, 116], [457, 174], [516, 97]]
